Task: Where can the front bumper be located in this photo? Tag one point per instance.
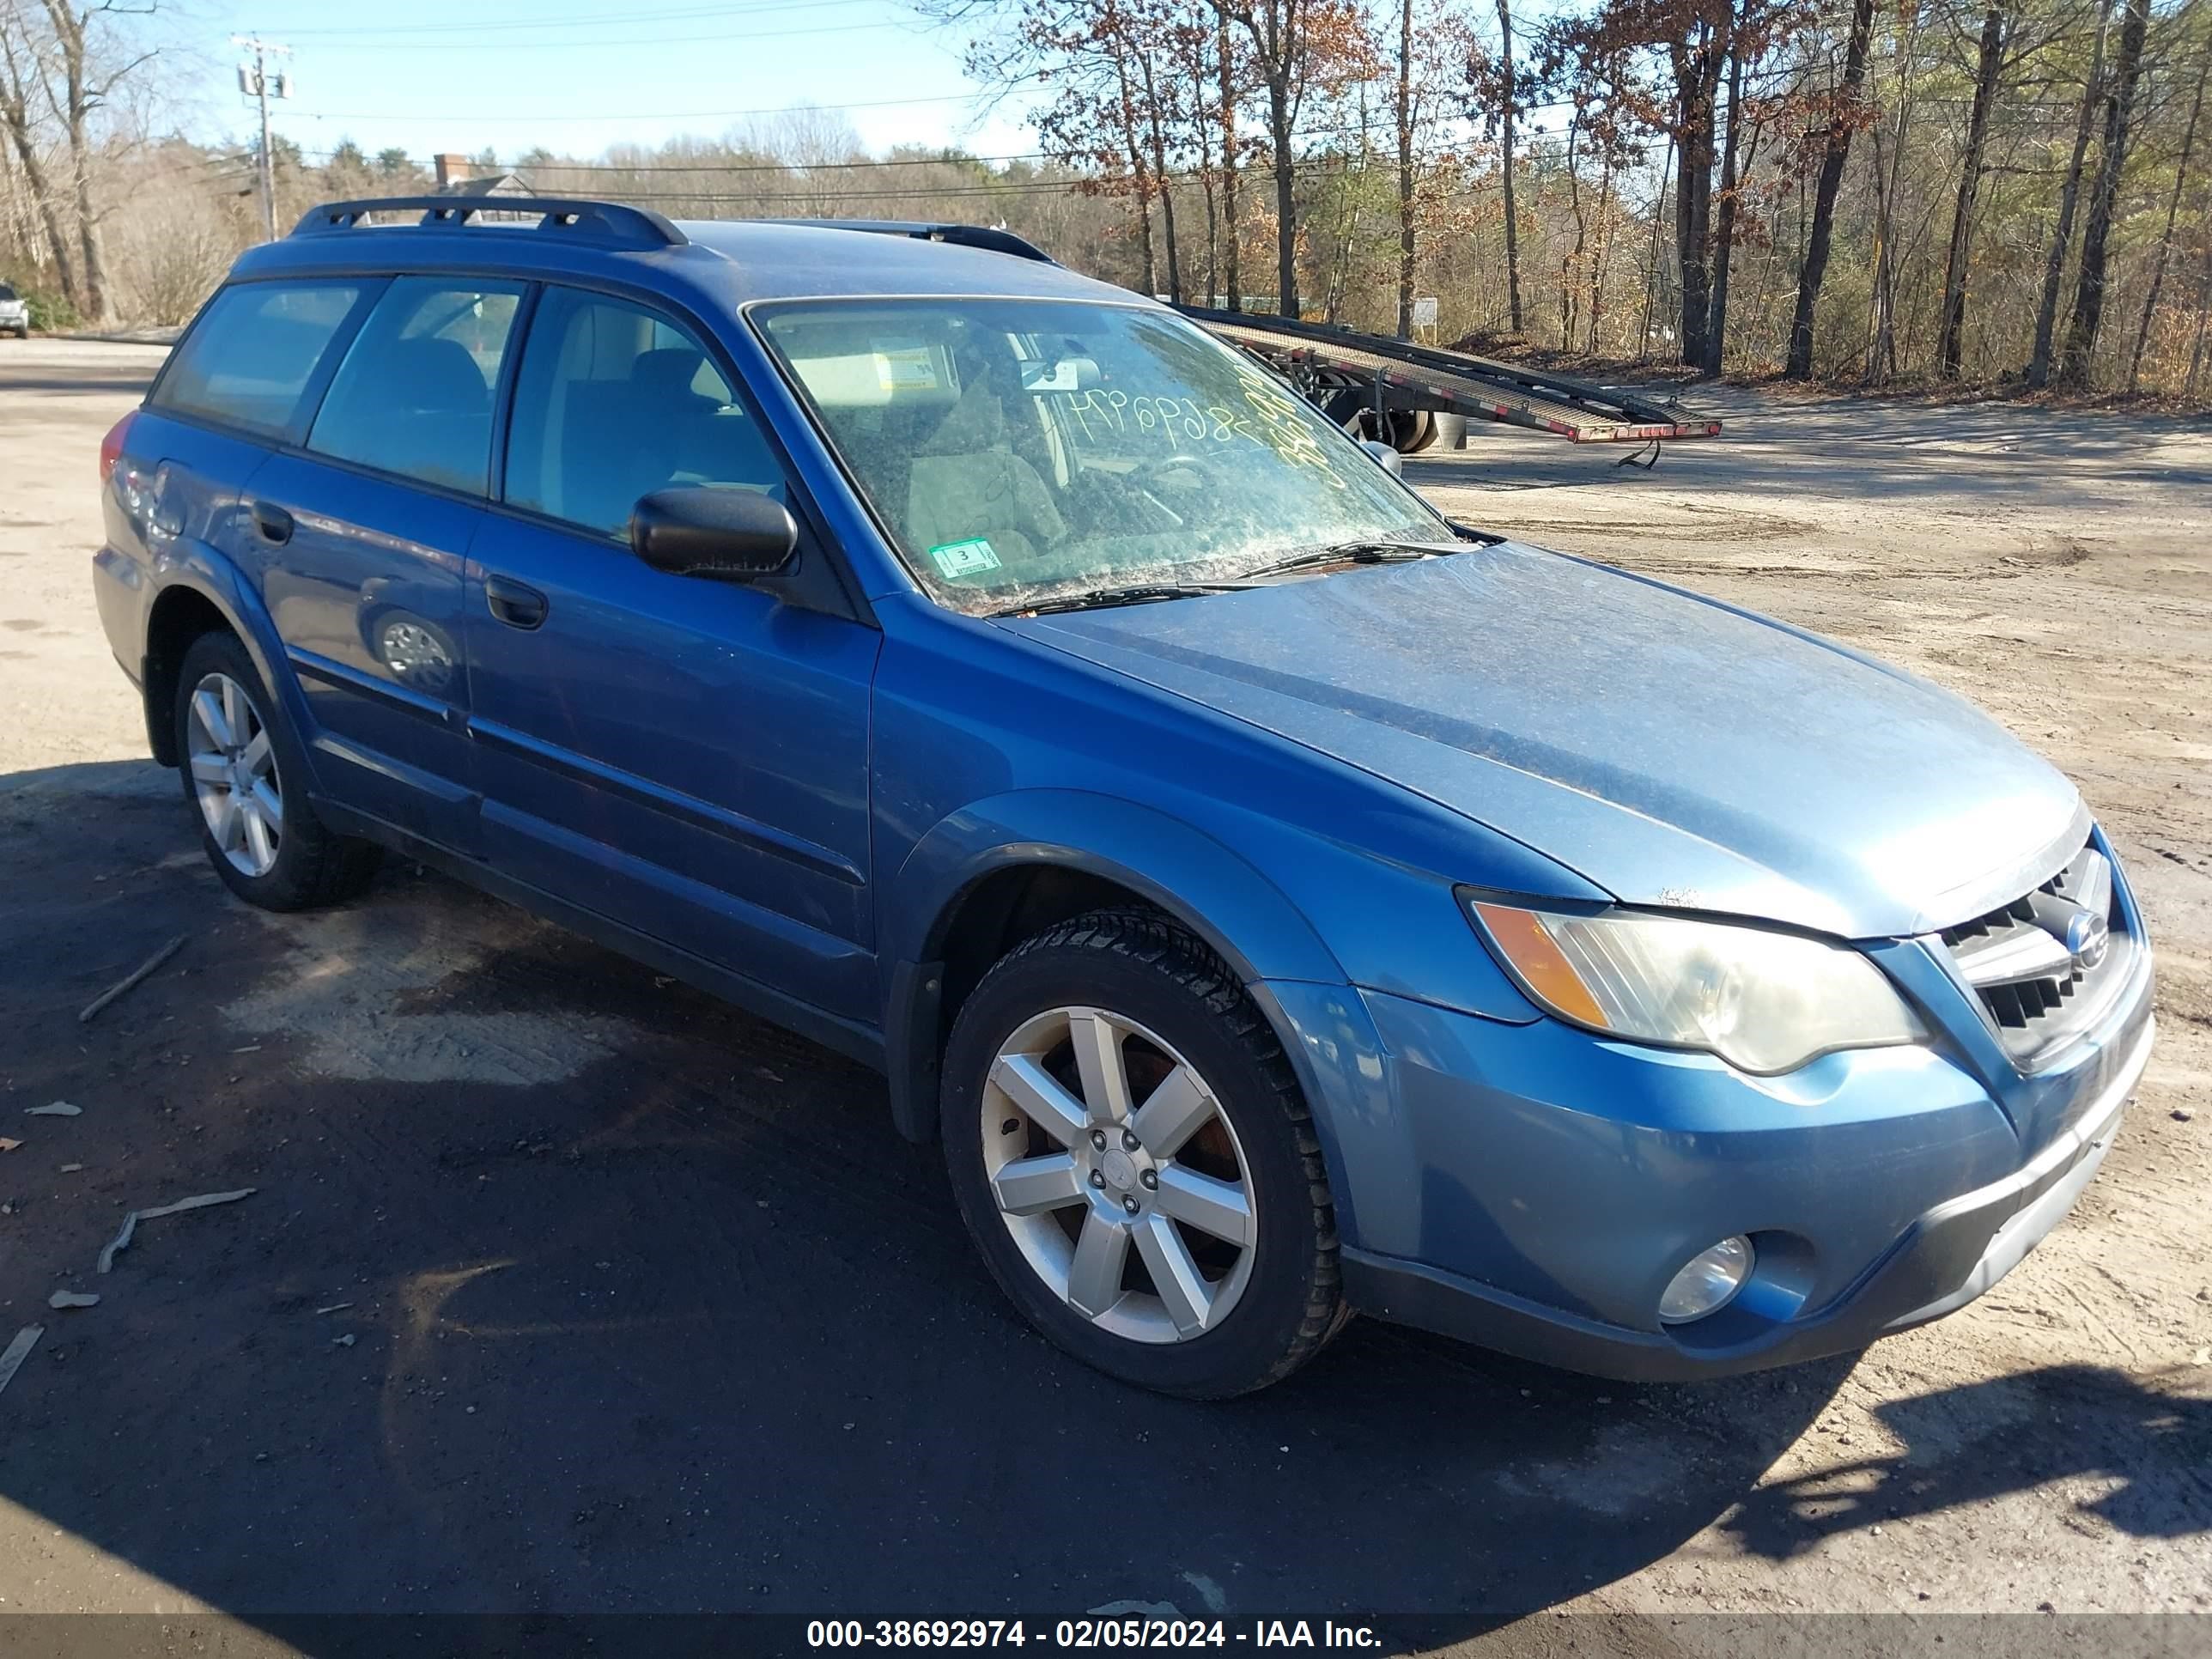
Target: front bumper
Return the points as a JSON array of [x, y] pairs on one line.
[[1531, 1188]]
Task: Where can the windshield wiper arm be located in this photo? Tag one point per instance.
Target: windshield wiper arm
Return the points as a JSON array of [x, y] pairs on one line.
[[1355, 552], [1133, 594]]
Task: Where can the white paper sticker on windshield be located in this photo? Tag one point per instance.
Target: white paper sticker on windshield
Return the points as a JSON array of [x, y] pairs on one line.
[[964, 558], [900, 367]]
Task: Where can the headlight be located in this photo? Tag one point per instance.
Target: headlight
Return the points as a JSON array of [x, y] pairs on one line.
[[1764, 1002]]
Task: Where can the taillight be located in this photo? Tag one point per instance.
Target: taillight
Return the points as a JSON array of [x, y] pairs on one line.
[[111, 447]]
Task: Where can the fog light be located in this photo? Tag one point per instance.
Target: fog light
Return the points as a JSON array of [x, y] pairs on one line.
[[1705, 1284]]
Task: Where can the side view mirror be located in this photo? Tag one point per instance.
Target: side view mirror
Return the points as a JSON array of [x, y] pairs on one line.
[[1385, 457], [694, 531]]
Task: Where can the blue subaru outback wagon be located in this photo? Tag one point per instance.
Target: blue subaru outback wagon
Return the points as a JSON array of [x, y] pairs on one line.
[[1278, 901]]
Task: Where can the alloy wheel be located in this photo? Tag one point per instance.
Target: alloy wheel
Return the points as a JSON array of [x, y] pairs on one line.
[[233, 771], [1118, 1174]]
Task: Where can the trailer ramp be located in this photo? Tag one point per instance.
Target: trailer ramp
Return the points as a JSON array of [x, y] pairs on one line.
[[1327, 361]]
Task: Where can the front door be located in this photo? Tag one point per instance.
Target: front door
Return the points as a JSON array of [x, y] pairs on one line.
[[686, 757]]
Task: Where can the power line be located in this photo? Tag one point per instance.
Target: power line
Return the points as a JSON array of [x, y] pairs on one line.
[[534, 25], [656, 115], [618, 45]]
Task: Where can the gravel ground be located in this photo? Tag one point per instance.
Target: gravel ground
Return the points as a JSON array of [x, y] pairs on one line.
[[564, 1289]]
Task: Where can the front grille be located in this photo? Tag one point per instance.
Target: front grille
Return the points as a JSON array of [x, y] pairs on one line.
[[2042, 965]]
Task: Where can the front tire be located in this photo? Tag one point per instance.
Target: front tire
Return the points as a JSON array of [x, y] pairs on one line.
[[1132, 1154], [245, 779]]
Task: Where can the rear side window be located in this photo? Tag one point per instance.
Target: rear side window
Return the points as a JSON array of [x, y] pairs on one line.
[[413, 395], [253, 354], [613, 402]]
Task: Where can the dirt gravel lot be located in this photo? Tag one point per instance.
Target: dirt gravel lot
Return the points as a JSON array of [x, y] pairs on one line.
[[564, 1289]]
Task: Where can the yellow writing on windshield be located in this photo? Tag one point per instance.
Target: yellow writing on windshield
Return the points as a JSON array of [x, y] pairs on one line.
[[1271, 419]]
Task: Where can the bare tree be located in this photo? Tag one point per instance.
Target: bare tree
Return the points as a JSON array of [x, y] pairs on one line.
[[1406, 169], [2089, 286], [1843, 119], [1295, 44], [1723, 240], [1507, 99], [2173, 209], [1651, 262], [1989, 69], [2069, 193], [1231, 88], [20, 91], [62, 64]]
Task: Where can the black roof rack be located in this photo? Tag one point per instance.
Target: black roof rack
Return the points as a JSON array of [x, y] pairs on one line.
[[981, 236], [598, 221]]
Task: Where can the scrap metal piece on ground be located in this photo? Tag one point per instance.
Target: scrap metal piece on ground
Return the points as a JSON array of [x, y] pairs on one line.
[[199, 1201], [54, 1109], [17, 1351], [121, 1239], [132, 979], [60, 1299]]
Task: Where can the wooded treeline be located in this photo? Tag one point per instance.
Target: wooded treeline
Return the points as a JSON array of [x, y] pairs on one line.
[[1872, 190], [1978, 190]]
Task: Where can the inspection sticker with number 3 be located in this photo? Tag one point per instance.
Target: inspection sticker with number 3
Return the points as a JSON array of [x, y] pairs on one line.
[[964, 558]]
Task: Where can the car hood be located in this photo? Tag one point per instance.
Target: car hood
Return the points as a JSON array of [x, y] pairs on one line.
[[1669, 748]]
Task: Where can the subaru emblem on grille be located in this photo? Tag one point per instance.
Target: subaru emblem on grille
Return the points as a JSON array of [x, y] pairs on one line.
[[2089, 936]]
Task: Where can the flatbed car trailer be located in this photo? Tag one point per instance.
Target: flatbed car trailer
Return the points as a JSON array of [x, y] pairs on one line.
[[1393, 389]]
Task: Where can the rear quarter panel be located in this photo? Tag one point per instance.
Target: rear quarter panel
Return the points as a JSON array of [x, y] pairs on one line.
[[170, 513]]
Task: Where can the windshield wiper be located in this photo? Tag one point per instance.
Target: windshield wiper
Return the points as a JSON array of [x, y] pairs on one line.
[[1357, 552], [1133, 594]]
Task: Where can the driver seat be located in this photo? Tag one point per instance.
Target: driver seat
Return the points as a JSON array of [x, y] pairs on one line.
[[965, 483]]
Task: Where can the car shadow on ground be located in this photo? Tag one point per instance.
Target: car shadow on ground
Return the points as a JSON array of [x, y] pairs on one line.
[[565, 1289], [2148, 1449]]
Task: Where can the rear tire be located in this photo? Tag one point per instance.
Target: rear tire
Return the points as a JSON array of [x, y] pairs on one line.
[[245, 781], [1202, 1233]]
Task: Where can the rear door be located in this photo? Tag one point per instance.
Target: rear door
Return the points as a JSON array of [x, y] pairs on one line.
[[362, 539], [685, 755], [244, 381]]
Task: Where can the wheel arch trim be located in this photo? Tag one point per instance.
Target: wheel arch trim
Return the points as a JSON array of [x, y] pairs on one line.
[[1189, 876], [194, 568]]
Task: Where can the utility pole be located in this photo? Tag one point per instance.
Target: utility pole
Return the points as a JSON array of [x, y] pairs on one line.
[[254, 79]]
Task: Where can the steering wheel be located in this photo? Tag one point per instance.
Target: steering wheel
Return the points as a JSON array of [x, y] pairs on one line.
[[1176, 471]]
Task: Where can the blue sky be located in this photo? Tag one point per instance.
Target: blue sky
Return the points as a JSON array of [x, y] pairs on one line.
[[577, 75]]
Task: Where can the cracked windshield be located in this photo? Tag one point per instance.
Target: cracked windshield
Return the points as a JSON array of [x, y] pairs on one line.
[[1026, 452]]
